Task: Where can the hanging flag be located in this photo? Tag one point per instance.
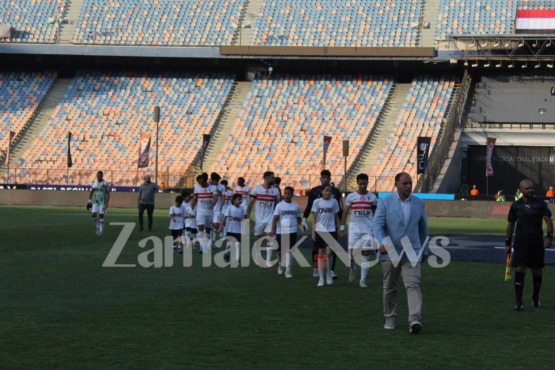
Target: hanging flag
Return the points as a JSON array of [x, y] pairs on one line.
[[144, 151], [535, 21], [69, 160], [327, 142], [10, 138], [489, 155], [422, 152]]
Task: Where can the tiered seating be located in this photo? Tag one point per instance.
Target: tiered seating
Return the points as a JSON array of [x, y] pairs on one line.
[[421, 115], [106, 113], [284, 119], [30, 19], [481, 17], [338, 23], [158, 22], [21, 94]]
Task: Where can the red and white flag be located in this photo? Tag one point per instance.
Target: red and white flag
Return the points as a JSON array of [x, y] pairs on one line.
[[489, 155], [536, 20]]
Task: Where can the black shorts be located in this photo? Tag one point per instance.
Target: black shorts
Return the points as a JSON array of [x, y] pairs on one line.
[[528, 253], [191, 230], [321, 243], [176, 233], [235, 236], [280, 238]]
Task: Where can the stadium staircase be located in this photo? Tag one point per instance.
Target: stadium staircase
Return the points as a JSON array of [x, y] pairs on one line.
[[245, 32], [429, 17], [225, 122], [71, 13], [381, 130], [44, 112]]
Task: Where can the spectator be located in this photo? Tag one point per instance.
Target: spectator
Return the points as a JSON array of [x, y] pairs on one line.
[[474, 192], [146, 201]]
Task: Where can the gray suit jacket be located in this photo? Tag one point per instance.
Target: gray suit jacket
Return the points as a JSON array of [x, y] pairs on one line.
[[390, 229]]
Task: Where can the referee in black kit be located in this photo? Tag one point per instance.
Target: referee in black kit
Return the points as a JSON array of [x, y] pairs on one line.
[[313, 194], [529, 246]]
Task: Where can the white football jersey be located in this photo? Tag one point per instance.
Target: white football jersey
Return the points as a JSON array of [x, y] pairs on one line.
[[235, 215], [220, 189], [264, 204], [325, 211], [244, 191], [361, 211], [204, 198], [288, 214], [227, 200], [190, 221], [176, 222]]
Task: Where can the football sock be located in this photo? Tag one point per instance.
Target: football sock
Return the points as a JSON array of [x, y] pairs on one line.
[[101, 225], [519, 285], [330, 265], [353, 264], [364, 268], [315, 258], [237, 251], [333, 259], [95, 220], [288, 262], [321, 264], [201, 241], [269, 252], [537, 281]]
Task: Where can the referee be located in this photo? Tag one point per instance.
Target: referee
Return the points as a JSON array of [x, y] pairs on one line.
[[313, 194], [529, 245]]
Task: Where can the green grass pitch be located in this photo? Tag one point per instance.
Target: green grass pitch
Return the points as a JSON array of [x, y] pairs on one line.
[[59, 308]]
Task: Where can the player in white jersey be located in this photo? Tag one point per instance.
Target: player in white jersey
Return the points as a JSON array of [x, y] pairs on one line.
[[359, 206], [228, 193], [244, 190], [204, 199], [264, 199], [176, 224], [284, 227], [189, 219], [232, 222], [325, 212], [220, 189], [99, 197]]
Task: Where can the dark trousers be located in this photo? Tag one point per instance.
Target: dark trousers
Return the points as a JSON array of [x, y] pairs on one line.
[[149, 210]]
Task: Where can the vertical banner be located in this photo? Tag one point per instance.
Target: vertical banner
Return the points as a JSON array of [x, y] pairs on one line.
[[422, 152], [10, 138], [144, 151], [327, 142], [489, 155], [69, 160], [205, 143]]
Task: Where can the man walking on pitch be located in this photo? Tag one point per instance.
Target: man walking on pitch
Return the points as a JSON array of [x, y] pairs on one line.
[[360, 206], [529, 246], [400, 223], [313, 194], [147, 190], [99, 197]]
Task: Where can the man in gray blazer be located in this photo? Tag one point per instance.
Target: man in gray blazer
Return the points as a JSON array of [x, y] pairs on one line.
[[401, 229]]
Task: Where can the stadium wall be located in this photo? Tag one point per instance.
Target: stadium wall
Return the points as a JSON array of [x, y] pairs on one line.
[[434, 208]]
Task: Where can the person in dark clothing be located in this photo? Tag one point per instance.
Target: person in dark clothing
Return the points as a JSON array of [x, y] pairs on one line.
[[313, 194], [525, 220], [147, 190]]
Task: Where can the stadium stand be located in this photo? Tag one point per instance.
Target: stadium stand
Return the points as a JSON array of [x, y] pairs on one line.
[[422, 114], [338, 23], [106, 113], [158, 22], [481, 17], [21, 94], [283, 121], [32, 21]]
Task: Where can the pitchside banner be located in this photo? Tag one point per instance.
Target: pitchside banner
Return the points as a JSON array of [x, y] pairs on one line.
[[144, 151], [327, 142], [422, 152], [489, 154]]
